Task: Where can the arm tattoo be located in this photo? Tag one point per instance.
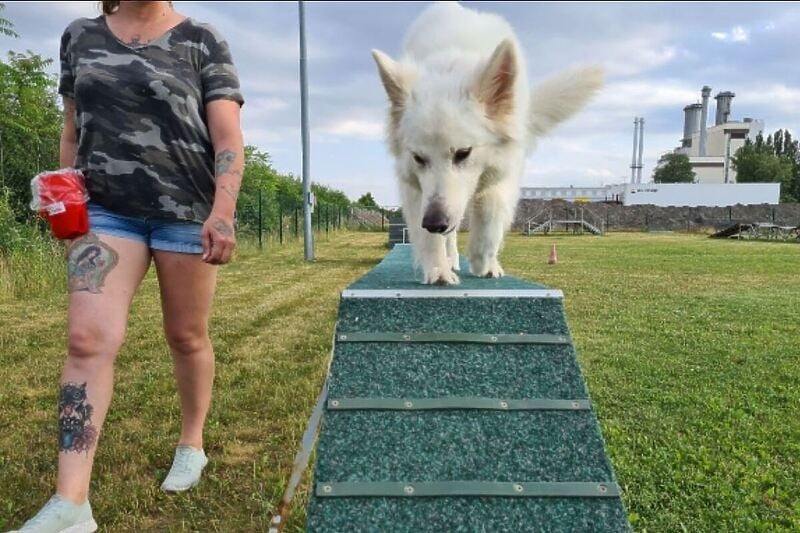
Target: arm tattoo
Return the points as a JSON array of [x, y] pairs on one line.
[[75, 430], [89, 261], [223, 161], [231, 190], [223, 227]]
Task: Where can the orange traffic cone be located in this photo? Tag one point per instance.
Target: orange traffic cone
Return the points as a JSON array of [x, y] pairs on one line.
[[553, 259]]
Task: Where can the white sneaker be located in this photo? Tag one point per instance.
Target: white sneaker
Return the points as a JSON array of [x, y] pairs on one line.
[[186, 469], [60, 515]]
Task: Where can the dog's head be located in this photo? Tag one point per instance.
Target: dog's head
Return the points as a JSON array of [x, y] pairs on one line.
[[445, 130]]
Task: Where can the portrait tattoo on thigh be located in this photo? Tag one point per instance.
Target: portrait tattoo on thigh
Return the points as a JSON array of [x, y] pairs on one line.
[[75, 430], [89, 260]]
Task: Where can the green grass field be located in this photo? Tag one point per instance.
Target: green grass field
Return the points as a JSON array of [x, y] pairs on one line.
[[689, 346]]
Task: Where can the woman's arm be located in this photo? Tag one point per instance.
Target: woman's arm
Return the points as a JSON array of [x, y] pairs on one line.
[[226, 137], [68, 146]]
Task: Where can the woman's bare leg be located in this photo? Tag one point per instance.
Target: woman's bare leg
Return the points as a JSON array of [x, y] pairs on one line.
[[187, 290], [104, 273]]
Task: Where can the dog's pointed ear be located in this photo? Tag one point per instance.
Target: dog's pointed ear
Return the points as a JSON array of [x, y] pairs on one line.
[[560, 97], [494, 86], [391, 76]]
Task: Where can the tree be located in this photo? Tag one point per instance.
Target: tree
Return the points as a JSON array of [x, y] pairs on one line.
[[30, 125], [6, 26], [675, 169], [281, 194], [777, 142], [772, 161], [367, 201], [789, 149]]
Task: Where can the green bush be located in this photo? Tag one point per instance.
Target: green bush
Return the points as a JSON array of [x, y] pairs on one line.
[[31, 261]]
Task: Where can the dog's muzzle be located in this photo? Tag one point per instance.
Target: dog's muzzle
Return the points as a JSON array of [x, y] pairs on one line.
[[435, 218]]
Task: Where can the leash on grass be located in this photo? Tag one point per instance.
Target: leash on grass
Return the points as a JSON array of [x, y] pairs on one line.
[[304, 453]]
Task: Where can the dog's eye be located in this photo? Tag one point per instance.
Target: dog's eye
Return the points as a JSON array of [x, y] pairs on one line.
[[421, 161], [461, 155]]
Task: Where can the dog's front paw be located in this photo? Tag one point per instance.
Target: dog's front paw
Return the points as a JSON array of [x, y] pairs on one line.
[[454, 264], [486, 268], [495, 271], [441, 276]]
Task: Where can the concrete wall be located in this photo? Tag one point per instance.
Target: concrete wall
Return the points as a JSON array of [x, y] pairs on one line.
[[653, 218], [715, 139], [709, 172]]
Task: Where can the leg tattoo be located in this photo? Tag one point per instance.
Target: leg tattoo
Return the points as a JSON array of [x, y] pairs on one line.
[[75, 430], [89, 260]]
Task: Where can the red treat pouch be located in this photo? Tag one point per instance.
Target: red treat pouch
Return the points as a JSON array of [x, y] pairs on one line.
[[60, 197]]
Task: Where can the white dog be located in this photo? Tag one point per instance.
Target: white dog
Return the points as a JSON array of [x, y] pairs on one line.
[[461, 122]]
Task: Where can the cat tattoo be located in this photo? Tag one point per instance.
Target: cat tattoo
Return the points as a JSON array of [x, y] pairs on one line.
[[75, 430]]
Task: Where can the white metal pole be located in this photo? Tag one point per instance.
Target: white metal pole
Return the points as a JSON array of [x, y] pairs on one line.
[[633, 159], [705, 93], [641, 149], [727, 164], [308, 236]]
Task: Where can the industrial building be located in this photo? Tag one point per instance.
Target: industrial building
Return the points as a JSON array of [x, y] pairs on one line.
[[711, 149]]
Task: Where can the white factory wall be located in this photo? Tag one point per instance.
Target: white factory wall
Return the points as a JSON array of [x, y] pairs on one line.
[[700, 194], [572, 194]]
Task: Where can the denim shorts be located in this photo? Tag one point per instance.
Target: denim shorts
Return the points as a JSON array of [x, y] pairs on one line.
[[158, 234]]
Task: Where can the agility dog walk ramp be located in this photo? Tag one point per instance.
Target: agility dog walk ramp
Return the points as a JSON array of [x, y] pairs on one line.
[[458, 408]]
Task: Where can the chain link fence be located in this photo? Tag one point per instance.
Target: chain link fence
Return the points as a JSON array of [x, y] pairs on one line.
[[277, 222]]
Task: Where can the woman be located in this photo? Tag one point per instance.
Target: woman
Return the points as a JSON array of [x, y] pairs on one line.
[[152, 105]]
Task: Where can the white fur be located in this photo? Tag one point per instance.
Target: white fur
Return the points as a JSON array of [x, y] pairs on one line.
[[462, 83]]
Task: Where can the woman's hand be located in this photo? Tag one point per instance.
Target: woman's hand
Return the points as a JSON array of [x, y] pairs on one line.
[[219, 239]]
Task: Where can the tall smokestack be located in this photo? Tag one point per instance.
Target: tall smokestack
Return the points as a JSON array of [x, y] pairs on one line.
[[641, 145], [691, 123], [633, 159], [706, 92], [723, 107]]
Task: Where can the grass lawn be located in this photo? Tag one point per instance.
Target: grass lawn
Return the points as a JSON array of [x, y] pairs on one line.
[[689, 346]]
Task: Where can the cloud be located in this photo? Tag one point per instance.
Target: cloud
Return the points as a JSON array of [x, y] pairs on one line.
[[654, 49], [363, 129], [738, 34], [623, 51], [645, 95], [261, 108], [67, 9], [777, 96], [269, 136], [600, 172]]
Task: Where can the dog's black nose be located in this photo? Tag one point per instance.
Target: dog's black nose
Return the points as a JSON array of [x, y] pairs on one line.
[[435, 220], [435, 228]]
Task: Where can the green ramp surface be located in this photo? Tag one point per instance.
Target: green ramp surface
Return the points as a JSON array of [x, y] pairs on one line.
[[458, 408]]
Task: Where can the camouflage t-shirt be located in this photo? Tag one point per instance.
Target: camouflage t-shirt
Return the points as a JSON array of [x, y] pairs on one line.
[[143, 140]]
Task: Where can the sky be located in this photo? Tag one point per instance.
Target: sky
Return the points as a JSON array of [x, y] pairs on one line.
[[657, 57]]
